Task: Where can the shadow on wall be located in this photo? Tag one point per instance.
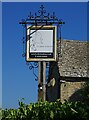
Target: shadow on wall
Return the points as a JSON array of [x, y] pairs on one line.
[[77, 96], [53, 86], [81, 94]]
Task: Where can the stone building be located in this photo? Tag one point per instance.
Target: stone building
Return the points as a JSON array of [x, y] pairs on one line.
[[70, 72]]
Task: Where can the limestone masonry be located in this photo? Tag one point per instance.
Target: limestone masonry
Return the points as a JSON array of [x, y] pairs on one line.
[[70, 71], [73, 60]]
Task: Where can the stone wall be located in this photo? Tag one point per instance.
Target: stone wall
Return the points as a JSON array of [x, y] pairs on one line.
[[72, 63], [73, 60]]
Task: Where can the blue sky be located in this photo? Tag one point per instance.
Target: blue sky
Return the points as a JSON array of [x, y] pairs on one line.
[[0, 55], [17, 80]]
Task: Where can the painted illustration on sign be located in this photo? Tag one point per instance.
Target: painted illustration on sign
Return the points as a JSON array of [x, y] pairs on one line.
[[41, 41]]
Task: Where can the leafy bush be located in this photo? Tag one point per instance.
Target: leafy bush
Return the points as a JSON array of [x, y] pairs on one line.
[[48, 111], [85, 92], [0, 113]]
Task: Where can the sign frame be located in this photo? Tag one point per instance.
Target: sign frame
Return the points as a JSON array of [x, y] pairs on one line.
[[40, 56]]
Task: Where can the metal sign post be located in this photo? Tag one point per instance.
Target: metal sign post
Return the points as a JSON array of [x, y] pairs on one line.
[[42, 81], [40, 69], [40, 44]]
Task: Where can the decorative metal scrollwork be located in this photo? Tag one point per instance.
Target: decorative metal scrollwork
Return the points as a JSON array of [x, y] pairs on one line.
[[42, 18], [33, 66]]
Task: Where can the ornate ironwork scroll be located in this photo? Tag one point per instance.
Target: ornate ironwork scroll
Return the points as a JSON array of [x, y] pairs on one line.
[[42, 19]]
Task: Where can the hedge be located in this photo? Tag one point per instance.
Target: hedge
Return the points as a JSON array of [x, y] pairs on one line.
[[48, 111]]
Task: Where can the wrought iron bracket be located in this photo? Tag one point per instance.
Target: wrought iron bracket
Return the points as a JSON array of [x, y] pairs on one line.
[[42, 19]]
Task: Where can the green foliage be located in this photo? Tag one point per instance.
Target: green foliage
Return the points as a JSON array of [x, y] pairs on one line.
[[48, 111], [85, 92], [0, 113]]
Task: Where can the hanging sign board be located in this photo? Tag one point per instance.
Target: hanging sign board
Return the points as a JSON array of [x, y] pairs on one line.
[[41, 43]]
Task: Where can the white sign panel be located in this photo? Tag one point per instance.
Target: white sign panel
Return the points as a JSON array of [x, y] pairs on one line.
[[38, 43], [41, 43]]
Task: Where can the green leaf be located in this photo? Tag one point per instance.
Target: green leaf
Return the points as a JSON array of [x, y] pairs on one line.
[[51, 114]]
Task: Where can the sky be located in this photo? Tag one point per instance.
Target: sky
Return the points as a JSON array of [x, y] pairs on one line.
[[0, 55], [44, 0], [17, 80]]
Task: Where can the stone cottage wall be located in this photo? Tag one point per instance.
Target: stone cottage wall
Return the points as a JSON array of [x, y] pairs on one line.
[[72, 70], [73, 60]]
